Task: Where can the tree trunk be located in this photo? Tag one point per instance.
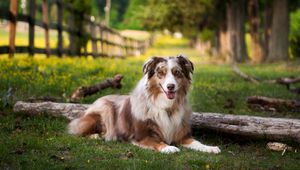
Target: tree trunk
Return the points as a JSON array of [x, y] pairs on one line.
[[267, 28], [236, 30], [107, 12], [256, 43], [250, 126], [223, 47], [278, 46]]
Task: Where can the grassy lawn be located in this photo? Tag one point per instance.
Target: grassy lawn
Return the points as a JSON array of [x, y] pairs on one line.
[[40, 142]]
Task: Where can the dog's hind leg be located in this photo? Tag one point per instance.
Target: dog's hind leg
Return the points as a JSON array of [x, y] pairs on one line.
[[86, 125], [106, 109]]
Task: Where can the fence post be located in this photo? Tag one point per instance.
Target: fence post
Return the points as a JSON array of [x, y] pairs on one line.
[[72, 33], [12, 26], [93, 38], [125, 46], [108, 45], [31, 26], [101, 39], [46, 26], [59, 28]]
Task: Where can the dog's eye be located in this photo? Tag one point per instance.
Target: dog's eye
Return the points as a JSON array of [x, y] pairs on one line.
[[177, 73], [160, 74]]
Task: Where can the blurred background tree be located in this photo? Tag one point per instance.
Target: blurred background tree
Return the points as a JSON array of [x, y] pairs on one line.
[[82, 7], [267, 23], [294, 34], [237, 30]]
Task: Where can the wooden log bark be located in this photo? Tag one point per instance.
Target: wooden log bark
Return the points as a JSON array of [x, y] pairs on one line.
[[83, 91], [250, 126], [68, 110]]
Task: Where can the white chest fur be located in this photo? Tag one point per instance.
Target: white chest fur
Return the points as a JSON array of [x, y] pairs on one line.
[[167, 122]]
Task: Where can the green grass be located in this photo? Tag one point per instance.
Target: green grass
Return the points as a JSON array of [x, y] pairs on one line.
[[40, 142]]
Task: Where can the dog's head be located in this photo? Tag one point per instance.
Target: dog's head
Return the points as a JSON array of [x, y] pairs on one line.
[[171, 76]]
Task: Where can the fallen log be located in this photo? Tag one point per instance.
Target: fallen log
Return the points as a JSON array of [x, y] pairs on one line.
[[250, 126], [243, 75], [67, 110], [279, 129], [287, 81], [276, 104], [83, 91]]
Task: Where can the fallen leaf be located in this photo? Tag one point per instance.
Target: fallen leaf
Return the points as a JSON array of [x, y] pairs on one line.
[[126, 155]]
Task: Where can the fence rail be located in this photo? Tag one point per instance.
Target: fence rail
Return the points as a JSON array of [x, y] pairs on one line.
[[105, 42]]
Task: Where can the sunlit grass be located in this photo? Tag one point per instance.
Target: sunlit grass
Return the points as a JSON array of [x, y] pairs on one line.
[[40, 142], [39, 40]]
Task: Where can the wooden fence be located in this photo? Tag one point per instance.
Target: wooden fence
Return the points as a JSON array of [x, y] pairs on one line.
[[105, 42]]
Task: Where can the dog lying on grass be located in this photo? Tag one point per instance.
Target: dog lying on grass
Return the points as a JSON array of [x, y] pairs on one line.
[[155, 115]]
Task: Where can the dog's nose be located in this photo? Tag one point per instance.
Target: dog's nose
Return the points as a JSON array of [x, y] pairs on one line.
[[171, 87]]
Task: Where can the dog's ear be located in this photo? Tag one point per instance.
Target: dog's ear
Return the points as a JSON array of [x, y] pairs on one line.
[[186, 64], [150, 65]]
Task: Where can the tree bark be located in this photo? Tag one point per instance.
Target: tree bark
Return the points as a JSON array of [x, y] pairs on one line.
[[278, 45], [254, 21], [235, 27], [250, 126]]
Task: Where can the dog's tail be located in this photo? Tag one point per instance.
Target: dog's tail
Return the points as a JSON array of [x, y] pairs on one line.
[[85, 125]]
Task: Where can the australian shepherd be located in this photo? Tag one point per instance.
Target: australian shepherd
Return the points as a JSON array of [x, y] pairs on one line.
[[156, 115]]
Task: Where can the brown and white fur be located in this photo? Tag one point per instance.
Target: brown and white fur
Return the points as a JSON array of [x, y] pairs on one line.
[[156, 115]]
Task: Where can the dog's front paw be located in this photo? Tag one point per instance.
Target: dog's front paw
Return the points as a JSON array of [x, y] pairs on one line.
[[169, 149], [94, 136], [196, 145], [211, 149]]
